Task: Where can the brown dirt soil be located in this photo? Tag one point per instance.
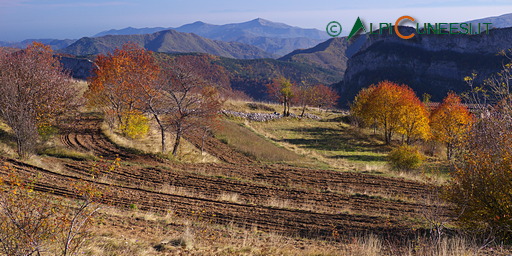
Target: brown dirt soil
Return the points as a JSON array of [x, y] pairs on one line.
[[218, 149], [276, 198]]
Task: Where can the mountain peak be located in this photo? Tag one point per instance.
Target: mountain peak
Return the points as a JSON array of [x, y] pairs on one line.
[[198, 23], [130, 31], [264, 23], [261, 21]]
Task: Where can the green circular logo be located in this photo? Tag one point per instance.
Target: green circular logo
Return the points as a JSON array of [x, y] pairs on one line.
[[334, 28]]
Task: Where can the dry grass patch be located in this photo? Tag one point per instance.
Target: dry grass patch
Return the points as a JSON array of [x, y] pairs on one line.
[[143, 233], [249, 143], [279, 203], [329, 141], [271, 107], [151, 143], [230, 197], [251, 107], [173, 190], [7, 140], [63, 152]]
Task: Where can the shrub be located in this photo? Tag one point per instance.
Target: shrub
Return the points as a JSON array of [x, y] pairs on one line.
[[481, 185], [46, 131], [405, 158], [35, 223], [135, 125]]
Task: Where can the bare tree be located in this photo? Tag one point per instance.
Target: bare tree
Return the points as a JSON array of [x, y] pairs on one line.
[[34, 92], [156, 106], [33, 222], [190, 101], [318, 95]]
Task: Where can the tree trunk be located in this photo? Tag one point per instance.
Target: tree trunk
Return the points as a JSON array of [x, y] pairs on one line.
[[386, 134], [177, 142], [205, 132], [389, 135], [449, 151], [20, 150], [303, 110], [120, 120], [162, 132], [23, 151]]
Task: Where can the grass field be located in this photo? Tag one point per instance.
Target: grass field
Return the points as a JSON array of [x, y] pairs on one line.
[[284, 187]]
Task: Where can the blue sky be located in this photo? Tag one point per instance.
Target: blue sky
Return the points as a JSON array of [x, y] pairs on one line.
[[23, 19]]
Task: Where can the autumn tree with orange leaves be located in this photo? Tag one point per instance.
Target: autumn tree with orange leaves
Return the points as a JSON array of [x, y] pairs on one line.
[[130, 84], [34, 93], [394, 108], [121, 82], [414, 118], [450, 122], [282, 90]]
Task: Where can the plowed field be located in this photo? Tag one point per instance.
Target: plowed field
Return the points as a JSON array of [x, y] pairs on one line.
[[278, 198]]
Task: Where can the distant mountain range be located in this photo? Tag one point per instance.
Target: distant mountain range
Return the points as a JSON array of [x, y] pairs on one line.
[[275, 38], [168, 41], [230, 32], [433, 64], [502, 21], [332, 54], [245, 75], [272, 37], [130, 31], [56, 44]]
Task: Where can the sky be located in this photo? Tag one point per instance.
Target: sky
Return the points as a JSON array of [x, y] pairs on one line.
[[73, 19]]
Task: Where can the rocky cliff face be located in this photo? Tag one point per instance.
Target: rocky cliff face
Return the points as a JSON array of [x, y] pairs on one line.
[[433, 64]]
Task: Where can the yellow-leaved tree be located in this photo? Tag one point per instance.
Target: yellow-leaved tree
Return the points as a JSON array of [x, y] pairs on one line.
[[413, 117], [395, 109]]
